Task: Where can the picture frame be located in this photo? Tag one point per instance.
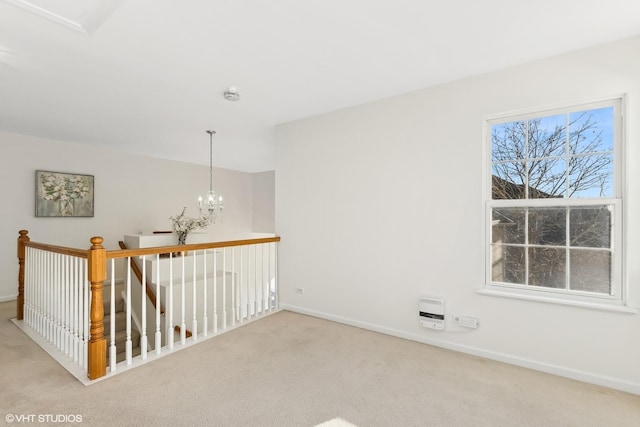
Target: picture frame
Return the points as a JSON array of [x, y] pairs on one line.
[[61, 194]]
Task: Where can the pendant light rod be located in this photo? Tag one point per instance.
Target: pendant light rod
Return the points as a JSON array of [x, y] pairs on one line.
[[211, 203]]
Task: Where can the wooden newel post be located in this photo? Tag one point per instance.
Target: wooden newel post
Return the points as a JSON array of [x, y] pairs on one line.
[[97, 260], [24, 238]]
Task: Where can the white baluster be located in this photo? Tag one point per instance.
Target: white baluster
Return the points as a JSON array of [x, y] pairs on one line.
[[69, 309], [224, 290], [268, 284], [46, 296], [80, 313], [33, 289], [128, 343], [265, 283], [86, 312], [63, 307], [30, 282], [170, 326], [50, 292], [251, 296], [63, 303], [194, 331], [143, 299], [53, 291], [112, 319], [244, 278], [58, 307], [37, 295], [68, 340], [40, 295], [235, 299], [54, 301], [183, 323], [275, 274], [205, 318], [215, 291], [76, 303], [256, 299], [240, 288], [158, 338], [48, 312]]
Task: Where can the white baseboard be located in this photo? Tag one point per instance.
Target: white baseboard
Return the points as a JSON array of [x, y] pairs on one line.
[[601, 380], [6, 298]]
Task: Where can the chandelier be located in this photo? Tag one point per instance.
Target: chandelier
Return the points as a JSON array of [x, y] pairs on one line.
[[211, 204]]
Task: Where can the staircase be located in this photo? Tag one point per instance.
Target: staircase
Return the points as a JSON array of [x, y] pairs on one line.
[[120, 325]]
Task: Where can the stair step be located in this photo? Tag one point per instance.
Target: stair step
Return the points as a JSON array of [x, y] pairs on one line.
[[120, 322], [121, 344], [121, 339], [122, 356], [106, 298], [119, 305]]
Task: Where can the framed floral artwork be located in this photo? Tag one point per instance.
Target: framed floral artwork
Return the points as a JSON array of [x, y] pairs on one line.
[[63, 194]]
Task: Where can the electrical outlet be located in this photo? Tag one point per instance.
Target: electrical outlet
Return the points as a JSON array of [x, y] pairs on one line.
[[300, 291], [467, 322]]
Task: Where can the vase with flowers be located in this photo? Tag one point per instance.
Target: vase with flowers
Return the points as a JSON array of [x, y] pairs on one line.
[[182, 225]]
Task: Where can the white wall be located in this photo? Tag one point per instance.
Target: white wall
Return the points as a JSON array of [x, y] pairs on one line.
[[264, 200], [381, 203], [133, 194]]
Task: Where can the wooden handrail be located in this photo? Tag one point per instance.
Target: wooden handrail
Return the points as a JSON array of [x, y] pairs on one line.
[[80, 253], [180, 248], [136, 270]]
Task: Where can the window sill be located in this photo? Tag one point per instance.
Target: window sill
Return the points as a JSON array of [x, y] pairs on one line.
[[546, 299]]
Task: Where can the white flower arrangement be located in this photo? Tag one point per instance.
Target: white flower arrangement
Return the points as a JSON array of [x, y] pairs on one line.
[[183, 225]]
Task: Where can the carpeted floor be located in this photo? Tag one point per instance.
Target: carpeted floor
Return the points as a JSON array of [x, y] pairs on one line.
[[294, 370]]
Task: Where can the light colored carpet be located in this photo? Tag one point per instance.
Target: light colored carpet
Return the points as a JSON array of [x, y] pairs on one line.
[[294, 370]]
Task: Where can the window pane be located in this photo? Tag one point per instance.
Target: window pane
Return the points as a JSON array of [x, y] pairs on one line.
[[508, 225], [548, 242], [590, 271], [547, 226], [507, 264], [591, 131], [547, 267], [507, 181], [547, 178], [508, 141], [591, 176], [547, 136], [590, 226]]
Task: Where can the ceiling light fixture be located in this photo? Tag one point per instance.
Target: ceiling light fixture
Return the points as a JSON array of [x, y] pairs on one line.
[[232, 94], [211, 202]]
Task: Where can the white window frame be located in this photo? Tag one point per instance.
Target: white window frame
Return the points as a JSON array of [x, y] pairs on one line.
[[618, 298]]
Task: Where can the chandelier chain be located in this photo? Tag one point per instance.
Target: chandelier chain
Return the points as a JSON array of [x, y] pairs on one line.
[[211, 159]]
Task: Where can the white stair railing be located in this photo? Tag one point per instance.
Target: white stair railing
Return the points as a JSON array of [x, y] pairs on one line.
[[56, 301], [210, 288], [210, 291]]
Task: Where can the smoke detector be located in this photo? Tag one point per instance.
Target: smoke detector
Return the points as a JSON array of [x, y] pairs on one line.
[[232, 94]]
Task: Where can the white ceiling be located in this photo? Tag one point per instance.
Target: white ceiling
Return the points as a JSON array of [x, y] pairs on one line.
[[150, 78]]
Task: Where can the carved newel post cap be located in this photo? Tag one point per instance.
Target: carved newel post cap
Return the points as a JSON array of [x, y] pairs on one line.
[[96, 242]]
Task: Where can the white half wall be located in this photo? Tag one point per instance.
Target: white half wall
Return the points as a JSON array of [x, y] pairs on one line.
[[382, 203], [133, 194]]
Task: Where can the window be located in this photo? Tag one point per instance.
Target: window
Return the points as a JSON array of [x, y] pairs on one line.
[[554, 205]]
